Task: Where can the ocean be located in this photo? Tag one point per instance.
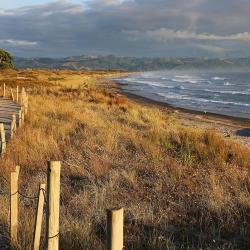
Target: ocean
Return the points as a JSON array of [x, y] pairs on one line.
[[220, 93]]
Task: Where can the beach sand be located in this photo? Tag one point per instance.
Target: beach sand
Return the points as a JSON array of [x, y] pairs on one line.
[[231, 128]]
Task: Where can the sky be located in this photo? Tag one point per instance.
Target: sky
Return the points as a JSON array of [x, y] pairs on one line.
[[142, 28]]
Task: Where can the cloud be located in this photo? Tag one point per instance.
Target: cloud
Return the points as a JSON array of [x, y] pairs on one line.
[[164, 35], [211, 49], [6, 13], [109, 2], [73, 10], [128, 27], [18, 43]]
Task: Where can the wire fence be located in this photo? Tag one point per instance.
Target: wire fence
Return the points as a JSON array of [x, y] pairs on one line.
[[48, 196]]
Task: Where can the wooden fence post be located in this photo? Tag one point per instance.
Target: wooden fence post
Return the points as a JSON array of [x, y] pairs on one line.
[[13, 126], [115, 229], [39, 217], [4, 90], [22, 96], [20, 118], [53, 205], [12, 95], [26, 103], [17, 90], [22, 114], [3, 139], [17, 170], [24, 100], [14, 207]]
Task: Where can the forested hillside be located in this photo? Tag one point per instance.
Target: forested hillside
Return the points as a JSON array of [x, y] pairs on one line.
[[132, 63]]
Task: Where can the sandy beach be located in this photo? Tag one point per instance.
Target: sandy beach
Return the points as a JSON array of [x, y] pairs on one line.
[[231, 128]]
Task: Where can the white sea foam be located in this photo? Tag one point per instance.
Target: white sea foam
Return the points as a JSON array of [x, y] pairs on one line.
[[144, 82], [232, 92], [131, 79], [171, 95], [184, 80], [194, 81], [227, 84], [178, 80], [183, 76], [180, 87], [189, 80], [228, 93], [200, 100], [232, 103], [218, 78]]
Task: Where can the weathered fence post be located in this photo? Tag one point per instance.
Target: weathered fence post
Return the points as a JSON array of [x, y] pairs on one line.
[[17, 170], [24, 100], [3, 139], [17, 91], [22, 114], [53, 205], [22, 96], [14, 207], [20, 118], [39, 217], [13, 126], [12, 95], [4, 90], [115, 229], [26, 103]]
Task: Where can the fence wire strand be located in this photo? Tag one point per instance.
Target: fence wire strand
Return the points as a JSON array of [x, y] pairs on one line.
[[52, 237], [26, 196]]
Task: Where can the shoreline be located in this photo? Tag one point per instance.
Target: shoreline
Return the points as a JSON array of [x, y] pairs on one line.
[[230, 127], [146, 100]]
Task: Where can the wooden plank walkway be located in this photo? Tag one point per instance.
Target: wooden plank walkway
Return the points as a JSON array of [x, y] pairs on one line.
[[7, 109]]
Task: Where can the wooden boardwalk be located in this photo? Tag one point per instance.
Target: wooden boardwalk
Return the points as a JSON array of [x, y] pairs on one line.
[[7, 109]]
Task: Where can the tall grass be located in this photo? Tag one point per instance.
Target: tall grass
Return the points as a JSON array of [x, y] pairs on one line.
[[181, 188]]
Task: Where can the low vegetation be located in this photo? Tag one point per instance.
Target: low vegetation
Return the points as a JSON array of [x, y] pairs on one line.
[[181, 188], [5, 59]]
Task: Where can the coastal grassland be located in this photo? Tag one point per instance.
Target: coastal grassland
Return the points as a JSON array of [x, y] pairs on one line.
[[181, 188]]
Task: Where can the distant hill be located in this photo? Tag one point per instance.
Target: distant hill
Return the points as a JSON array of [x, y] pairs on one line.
[[5, 59], [131, 63]]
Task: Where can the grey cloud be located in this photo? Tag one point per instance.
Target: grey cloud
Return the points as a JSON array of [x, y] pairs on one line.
[[164, 35], [19, 43], [130, 27]]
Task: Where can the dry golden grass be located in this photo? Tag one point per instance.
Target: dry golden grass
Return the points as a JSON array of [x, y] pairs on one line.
[[181, 188]]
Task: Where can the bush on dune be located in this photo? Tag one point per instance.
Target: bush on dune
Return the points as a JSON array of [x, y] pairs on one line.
[[5, 59]]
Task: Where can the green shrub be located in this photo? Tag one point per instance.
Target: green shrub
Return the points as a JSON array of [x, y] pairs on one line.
[[5, 59]]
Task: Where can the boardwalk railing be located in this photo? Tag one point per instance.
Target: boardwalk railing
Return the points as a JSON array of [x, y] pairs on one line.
[[13, 109]]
